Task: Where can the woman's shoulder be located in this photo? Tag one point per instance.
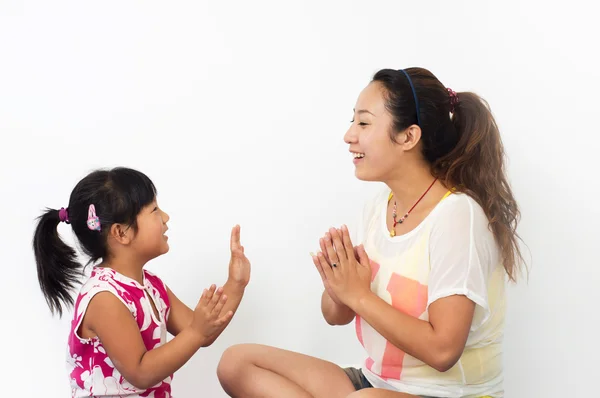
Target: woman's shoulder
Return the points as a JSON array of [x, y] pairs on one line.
[[463, 206], [461, 213]]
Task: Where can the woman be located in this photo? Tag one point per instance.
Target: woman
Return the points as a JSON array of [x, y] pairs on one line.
[[429, 298]]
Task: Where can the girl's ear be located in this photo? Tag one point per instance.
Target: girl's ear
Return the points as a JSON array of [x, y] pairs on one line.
[[120, 234]]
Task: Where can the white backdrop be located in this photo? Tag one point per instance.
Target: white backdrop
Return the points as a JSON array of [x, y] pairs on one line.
[[237, 112]]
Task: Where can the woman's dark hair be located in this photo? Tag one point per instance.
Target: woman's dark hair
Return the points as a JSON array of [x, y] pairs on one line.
[[461, 142], [118, 196]]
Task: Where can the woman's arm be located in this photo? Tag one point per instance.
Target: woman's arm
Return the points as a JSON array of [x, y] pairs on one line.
[[335, 314], [438, 342]]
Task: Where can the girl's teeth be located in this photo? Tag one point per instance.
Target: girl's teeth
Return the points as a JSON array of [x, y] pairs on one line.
[[359, 155]]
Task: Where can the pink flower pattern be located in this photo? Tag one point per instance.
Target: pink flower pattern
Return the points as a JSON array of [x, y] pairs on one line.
[[91, 371]]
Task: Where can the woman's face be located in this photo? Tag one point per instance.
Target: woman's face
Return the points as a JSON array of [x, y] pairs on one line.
[[376, 157]]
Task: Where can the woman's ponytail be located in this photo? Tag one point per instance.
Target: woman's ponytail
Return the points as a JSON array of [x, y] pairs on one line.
[[476, 166]]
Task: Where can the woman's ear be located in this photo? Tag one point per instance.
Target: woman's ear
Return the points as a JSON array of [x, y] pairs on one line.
[[411, 137]]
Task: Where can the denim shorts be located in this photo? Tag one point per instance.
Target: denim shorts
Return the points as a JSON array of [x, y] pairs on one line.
[[359, 381]]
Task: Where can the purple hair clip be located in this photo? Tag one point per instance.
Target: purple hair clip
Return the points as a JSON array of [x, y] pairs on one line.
[[453, 99], [63, 215], [93, 222]]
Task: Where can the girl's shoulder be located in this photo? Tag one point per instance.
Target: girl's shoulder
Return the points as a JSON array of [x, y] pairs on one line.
[[100, 278], [154, 280], [106, 279], [157, 285]]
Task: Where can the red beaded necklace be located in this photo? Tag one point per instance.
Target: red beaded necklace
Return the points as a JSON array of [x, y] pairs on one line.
[[401, 220]]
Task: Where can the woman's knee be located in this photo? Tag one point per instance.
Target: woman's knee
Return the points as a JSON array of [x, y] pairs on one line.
[[232, 363], [375, 393], [358, 394]]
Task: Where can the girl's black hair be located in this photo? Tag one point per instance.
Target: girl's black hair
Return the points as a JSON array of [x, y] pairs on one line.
[[118, 196]]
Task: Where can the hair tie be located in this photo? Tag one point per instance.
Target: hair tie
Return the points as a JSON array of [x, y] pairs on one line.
[[453, 99], [63, 215]]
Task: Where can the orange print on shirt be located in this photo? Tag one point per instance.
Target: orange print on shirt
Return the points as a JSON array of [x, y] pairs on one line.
[[409, 297], [374, 269]]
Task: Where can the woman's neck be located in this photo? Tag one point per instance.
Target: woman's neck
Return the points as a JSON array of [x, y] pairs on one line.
[[409, 187]]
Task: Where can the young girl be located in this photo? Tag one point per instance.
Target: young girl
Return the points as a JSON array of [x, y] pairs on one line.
[[428, 300], [117, 344]]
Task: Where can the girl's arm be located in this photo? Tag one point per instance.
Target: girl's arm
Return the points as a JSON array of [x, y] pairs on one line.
[[239, 275], [181, 315], [235, 292], [111, 321]]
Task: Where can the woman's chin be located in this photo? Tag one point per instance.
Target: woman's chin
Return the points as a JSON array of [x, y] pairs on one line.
[[365, 176]]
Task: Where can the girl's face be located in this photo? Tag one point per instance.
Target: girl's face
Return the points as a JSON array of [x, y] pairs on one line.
[[376, 156], [150, 240]]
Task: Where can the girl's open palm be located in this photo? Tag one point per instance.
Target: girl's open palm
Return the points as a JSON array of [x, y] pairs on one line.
[[207, 315], [239, 265]]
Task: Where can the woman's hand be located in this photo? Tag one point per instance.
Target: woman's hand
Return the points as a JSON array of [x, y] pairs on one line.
[[345, 270], [317, 263]]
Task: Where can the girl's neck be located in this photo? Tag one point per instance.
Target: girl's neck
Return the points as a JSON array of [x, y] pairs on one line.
[[127, 267]]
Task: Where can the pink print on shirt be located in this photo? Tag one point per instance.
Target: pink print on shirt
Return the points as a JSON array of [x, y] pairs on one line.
[[374, 270], [409, 297]]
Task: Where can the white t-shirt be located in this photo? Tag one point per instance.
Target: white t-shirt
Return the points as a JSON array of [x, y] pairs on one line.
[[451, 252]]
